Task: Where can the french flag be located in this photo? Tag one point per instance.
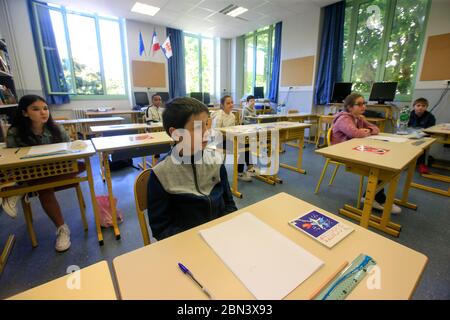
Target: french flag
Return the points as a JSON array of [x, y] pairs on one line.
[[155, 43]]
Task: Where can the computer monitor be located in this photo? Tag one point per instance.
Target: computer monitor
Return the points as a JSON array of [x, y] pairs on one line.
[[383, 91], [164, 96], [340, 91], [197, 95], [206, 98], [258, 92], [141, 99]]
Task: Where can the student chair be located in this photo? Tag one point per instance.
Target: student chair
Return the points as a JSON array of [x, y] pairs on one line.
[[140, 197], [29, 215], [337, 165]]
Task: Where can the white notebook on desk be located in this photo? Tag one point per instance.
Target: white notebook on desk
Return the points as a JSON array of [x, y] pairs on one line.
[[266, 262], [48, 149]]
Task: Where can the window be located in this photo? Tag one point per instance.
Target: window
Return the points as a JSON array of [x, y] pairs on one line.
[[89, 48], [382, 42], [258, 48], [200, 63]]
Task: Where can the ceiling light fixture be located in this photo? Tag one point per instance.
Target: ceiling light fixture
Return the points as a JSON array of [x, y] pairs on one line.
[[238, 11], [144, 9]]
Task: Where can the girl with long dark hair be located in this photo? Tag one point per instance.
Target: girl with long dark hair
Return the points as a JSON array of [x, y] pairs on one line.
[[33, 125]]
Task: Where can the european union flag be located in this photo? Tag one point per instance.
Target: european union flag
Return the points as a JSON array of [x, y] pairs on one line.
[[141, 44]]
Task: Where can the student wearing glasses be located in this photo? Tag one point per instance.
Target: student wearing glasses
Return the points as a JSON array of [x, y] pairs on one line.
[[349, 124]]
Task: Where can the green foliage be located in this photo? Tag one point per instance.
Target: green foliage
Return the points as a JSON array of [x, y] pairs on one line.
[[383, 51]]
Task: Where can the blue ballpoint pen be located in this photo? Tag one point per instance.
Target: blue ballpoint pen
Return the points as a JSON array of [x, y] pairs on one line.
[[187, 272]]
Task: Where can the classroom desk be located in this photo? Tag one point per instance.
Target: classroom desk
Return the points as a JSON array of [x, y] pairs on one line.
[[441, 133], [141, 145], [288, 131], [327, 120], [95, 283], [377, 167], [118, 129], [152, 272], [140, 127], [85, 123], [292, 117], [14, 169], [133, 113]]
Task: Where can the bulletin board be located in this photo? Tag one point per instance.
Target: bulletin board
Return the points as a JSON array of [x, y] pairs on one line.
[[149, 74], [436, 63], [297, 72]]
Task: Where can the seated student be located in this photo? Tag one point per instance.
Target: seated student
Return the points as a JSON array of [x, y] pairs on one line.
[[154, 111], [184, 195], [33, 125], [225, 118], [249, 110], [349, 124], [421, 118]]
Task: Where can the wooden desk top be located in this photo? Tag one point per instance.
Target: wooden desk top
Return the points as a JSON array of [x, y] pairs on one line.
[[396, 159], [425, 142], [106, 144], [89, 120], [125, 126], [99, 113], [95, 284], [328, 116], [251, 128], [152, 272], [9, 157], [442, 128], [280, 116]]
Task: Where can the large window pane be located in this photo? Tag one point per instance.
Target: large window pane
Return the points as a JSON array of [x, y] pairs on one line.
[[262, 47], [191, 47], [83, 41], [368, 43], [112, 56], [347, 22], [404, 44], [248, 65], [208, 65]]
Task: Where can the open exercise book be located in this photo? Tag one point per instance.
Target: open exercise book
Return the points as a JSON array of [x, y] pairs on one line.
[[268, 264], [322, 228]]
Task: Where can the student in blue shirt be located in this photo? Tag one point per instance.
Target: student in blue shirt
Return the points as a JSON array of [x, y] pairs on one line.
[[182, 195], [420, 117]]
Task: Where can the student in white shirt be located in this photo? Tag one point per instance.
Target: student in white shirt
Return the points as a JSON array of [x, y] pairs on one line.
[[225, 118], [154, 112]]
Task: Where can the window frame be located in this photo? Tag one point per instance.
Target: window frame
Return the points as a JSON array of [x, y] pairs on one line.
[[199, 38], [391, 6], [74, 95], [270, 31]]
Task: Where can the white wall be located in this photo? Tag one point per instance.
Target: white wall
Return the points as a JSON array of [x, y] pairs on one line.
[[132, 35], [237, 68], [225, 67], [300, 38]]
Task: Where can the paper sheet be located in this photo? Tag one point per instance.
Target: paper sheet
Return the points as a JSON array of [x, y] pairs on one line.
[[266, 262], [389, 139], [48, 148]]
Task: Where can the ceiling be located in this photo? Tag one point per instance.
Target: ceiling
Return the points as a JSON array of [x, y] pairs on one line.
[[202, 16]]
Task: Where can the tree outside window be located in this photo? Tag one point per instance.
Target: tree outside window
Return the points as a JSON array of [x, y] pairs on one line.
[[382, 42]]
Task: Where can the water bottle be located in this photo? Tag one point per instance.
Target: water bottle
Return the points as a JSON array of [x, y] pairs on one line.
[[402, 122], [279, 109]]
